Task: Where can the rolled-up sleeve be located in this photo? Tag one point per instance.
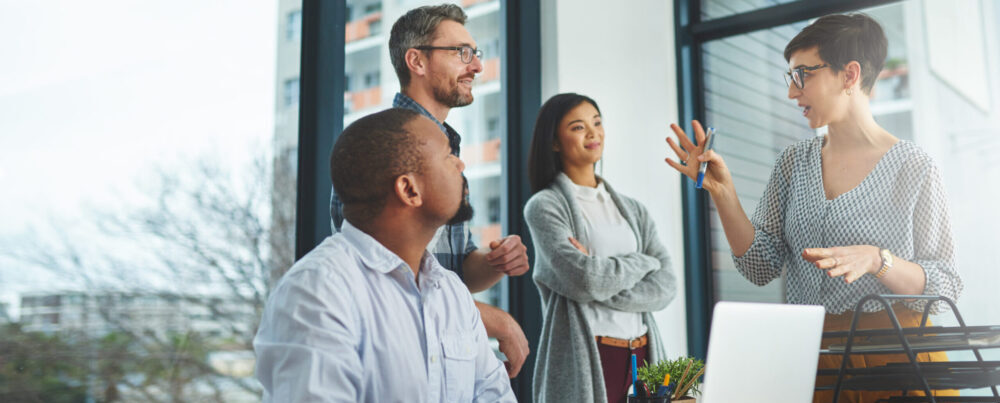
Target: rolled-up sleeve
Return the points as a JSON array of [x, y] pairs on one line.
[[933, 244], [769, 252]]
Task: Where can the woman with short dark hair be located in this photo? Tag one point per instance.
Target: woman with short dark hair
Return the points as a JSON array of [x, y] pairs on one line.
[[855, 212], [599, 266]]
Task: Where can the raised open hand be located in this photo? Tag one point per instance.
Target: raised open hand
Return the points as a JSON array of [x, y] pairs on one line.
[[691, 156]]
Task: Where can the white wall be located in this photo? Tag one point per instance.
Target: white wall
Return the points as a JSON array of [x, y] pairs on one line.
[[964, 140], [623, 57]]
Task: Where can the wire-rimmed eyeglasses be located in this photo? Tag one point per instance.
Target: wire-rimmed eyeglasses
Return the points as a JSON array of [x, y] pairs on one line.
[[465, 51], [798, 75]]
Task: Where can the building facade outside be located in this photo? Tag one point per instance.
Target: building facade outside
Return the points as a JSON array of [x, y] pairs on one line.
[[285, 143], [98, 314]]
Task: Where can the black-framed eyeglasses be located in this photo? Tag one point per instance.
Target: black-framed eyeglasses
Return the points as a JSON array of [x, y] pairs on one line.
[[465, 51], [798, 75]]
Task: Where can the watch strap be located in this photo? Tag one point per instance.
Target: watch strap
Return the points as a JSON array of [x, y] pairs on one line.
[[886, 262]]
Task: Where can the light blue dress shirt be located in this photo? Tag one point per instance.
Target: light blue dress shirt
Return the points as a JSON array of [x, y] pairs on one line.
[[348, 323]]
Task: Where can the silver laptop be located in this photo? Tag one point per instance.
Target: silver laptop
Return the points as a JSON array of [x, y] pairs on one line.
[[762, 353]]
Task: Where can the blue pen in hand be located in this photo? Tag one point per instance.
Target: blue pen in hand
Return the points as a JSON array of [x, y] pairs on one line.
[[704, 164]]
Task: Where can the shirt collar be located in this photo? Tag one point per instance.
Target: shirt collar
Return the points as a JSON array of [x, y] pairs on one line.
[[586, 192], [454, 140], [377, 257], [403, 100]]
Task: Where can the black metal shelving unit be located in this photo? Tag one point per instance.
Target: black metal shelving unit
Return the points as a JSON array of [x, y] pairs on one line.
[[915, 375]]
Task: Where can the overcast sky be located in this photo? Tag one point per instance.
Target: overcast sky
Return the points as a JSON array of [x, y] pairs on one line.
[[94, 93]]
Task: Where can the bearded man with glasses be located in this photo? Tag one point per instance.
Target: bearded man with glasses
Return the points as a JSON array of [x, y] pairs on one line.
[[436, 60]]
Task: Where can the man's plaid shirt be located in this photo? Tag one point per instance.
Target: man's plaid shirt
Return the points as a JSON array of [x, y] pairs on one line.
[[453, 242]]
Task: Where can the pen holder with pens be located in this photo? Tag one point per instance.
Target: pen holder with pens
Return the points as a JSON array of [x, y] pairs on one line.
[[681, 374], [649, 399], [640, 393]]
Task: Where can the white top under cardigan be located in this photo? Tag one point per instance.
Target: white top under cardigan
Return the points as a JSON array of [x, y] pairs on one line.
[[642, 281], [605, 234]]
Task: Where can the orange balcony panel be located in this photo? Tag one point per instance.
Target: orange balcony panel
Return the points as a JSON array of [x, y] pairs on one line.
[[471, 154], [356, 30], [360, 28], [491, 150], [479, 153], [491, 70], [487, 233], [366, 98], [469, 3]]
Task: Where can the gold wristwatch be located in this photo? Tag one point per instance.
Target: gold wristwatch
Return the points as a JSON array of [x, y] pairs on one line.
[[886, 262]]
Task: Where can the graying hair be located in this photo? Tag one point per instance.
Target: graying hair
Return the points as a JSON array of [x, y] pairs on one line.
[[416, 28]]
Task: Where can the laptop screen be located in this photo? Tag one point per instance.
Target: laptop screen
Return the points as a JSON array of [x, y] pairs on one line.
[[762, 353]]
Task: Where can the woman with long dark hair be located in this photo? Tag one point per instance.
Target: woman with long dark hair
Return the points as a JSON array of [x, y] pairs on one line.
[[599, 266]]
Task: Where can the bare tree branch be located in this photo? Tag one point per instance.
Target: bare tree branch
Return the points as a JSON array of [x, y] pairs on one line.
[[207, 236]]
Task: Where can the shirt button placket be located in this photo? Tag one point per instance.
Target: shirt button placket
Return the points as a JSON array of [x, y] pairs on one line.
[[434, 362]]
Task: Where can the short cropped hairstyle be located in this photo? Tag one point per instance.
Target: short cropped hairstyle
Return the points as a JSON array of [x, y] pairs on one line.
[[368, 157], [416, 28], [843, 38], [544, 163]]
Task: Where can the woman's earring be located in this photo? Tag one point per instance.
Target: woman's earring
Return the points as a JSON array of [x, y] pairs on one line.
[[850, 91]]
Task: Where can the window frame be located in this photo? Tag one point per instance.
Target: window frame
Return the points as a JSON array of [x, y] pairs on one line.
[[690, 34], [321, 89]]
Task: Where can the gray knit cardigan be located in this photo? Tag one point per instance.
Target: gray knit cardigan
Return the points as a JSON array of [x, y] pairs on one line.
[[568, 365]]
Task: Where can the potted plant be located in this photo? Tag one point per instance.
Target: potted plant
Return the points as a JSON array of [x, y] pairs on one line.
[[895, 75], [685, 374]]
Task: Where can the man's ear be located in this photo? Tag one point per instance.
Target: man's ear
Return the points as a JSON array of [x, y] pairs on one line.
[[852, 74], [407, 190], [416, 62]]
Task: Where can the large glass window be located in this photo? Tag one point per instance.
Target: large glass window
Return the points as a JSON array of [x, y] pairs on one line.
[[746, 100], [711, 9], [372, 84], [147, 160], [931, 91]]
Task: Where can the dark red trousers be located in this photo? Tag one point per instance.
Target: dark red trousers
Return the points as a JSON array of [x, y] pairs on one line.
[[617, 365]]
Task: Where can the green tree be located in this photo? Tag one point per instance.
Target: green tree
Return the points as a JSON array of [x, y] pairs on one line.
[[39, 368]]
